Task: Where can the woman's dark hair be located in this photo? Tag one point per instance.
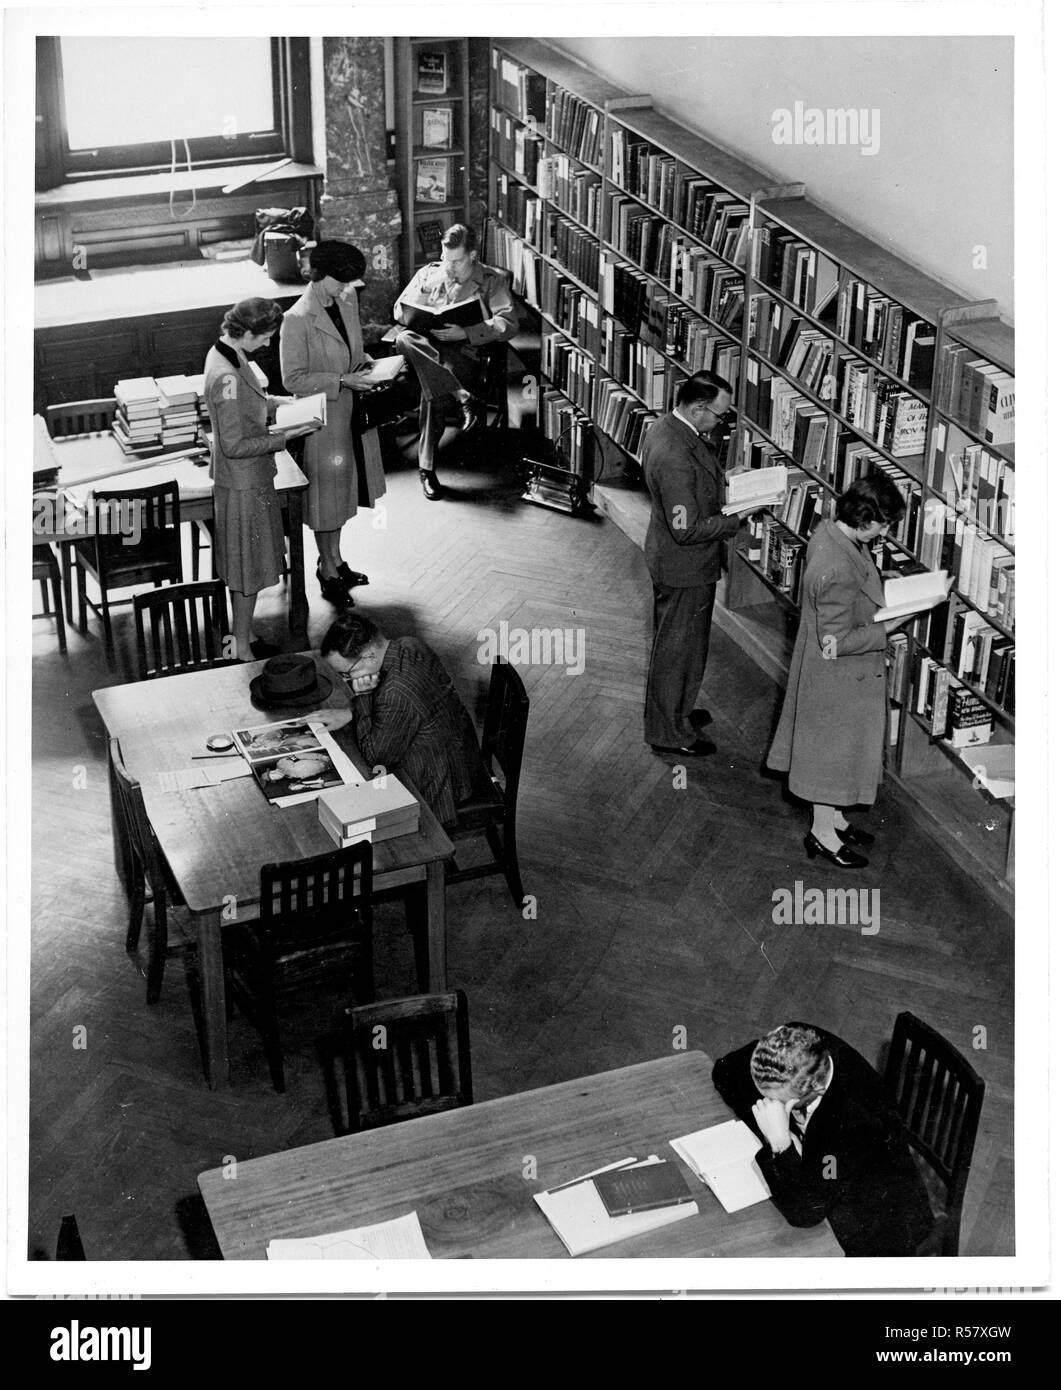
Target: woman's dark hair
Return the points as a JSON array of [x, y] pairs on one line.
[[349, 635], [336, 258], [870, 499], [252, 316]]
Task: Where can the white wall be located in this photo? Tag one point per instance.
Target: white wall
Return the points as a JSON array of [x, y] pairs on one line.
[[941, 184]]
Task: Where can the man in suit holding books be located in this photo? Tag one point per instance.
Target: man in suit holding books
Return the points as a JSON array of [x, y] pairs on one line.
[[832, 1145], [683, 552], [447, 360]]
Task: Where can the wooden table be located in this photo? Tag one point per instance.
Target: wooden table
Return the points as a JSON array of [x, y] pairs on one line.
[[215, 839], [96, 462], [462, 1172]]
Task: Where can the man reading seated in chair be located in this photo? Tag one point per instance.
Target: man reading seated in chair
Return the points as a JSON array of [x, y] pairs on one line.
[[407, 716], [832, 1146], [447, 358]]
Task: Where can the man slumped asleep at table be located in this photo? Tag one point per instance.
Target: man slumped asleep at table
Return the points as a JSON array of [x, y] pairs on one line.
[[407, 715], [832, 1145]]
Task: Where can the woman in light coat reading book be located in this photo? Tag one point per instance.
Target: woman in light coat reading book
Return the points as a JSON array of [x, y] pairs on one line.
[[321, 350], [248, 532], [830, 737]]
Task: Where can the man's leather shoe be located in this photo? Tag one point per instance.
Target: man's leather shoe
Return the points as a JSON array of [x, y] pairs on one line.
[[700, 718], [700, 749], [351, 578], [433, 489], [471, 415]]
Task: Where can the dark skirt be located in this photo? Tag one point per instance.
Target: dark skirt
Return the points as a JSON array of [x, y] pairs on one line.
[[249, 540]]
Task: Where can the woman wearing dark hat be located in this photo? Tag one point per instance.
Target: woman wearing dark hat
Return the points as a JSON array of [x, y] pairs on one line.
[[249, 535], [321, 350]]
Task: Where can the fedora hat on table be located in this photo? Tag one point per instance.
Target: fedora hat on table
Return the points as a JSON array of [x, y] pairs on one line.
[[289, 682]]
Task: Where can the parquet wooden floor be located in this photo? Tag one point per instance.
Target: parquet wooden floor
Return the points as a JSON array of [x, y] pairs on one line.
[[654, 901]]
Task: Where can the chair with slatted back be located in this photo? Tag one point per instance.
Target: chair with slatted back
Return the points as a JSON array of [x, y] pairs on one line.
[[46, 572], [315, 923], [137, 542], [80, 417], [180, 628], [491, 810], [404, 1058], [150, 872], [938, 1097]]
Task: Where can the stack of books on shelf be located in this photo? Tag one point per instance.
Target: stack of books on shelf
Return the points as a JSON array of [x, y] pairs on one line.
[[977, 394], [379, 810], [179, 399]]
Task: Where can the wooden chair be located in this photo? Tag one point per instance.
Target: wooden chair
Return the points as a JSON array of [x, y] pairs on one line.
[[403, 1058], [315, 921], [150, 872], [46, 571], [491, 810], [115, 560], [181, 627], [938, 1097], [80, 417]]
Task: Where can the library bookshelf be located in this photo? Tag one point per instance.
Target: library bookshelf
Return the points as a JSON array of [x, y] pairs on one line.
[[648, 253]]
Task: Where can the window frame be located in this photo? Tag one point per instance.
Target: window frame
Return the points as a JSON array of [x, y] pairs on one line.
[[291, 137]]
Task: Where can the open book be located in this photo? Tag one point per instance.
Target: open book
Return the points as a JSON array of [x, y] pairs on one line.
[[383, 369], [302, 412], [579, 1217], [724, 1158], [294, 760], [913, 593], [758, 487], [421, 318]]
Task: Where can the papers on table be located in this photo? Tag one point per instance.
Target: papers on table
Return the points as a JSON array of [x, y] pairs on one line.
[[723, 1156], [579, 1217], [913, 593], [755, 488], [210, 772], [400, 1239]]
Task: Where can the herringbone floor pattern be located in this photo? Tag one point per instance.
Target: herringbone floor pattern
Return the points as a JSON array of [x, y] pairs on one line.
[[654, 900]]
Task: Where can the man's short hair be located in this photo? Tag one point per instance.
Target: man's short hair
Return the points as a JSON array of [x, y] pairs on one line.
[[349, 635], [794, 1055], [703, 388], [460, 235]]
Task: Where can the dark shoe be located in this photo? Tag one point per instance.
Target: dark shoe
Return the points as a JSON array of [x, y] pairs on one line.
[[700, 718], [700, 749], [472, 415], [843, 858], [433, 489], [351, 578], [263, 650], [334, 590], [851, 835]]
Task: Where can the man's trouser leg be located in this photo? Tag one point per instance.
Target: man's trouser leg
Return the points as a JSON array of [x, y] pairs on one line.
[[682, 628]]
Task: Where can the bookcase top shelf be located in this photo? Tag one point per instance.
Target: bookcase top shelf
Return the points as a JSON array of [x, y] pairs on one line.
[[566, 72], [866, 258], [699, 153], [991, 338]]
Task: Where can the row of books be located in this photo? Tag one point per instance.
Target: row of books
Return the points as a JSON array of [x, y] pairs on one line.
[[897, 652], [977, 394], [575, 191], [630, 360], [777, 553], [518, 207], [506, 249], [978, 652], [950, 710], [571, 308], [515, 145], [896, 420], [983, 567], [887, 332], [573, 371], [575, 249], [790, 342], [640, 168], [805, 277], [569, 430], [158, 416], [654, 243], [974, 480], [621, 415], [575, 126], [518, 88]]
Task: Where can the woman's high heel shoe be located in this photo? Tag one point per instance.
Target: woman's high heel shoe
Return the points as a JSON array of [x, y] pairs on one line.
[[858, 839], [843, 858]]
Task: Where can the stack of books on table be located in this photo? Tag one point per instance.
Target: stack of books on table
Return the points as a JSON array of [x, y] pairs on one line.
[[381, 809], [179, 400], [138, 421]]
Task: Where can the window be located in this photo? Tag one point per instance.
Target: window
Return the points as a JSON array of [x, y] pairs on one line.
[[135, 105]]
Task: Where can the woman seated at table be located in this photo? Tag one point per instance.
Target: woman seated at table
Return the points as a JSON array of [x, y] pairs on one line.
[[249, 534], [321, 350], [830, 738]]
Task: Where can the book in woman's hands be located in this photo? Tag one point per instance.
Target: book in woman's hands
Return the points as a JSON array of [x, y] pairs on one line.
[[642, 1188], [723, 1156], [302, 413], [913, 593]]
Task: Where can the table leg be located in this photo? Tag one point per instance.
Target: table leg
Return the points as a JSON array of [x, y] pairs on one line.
[[298, 615], [436, 926], [66, 564], [212, 989], [124, 865]]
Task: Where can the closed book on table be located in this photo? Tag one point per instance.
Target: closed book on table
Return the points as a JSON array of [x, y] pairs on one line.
[[643, 1187], [383, 801]]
